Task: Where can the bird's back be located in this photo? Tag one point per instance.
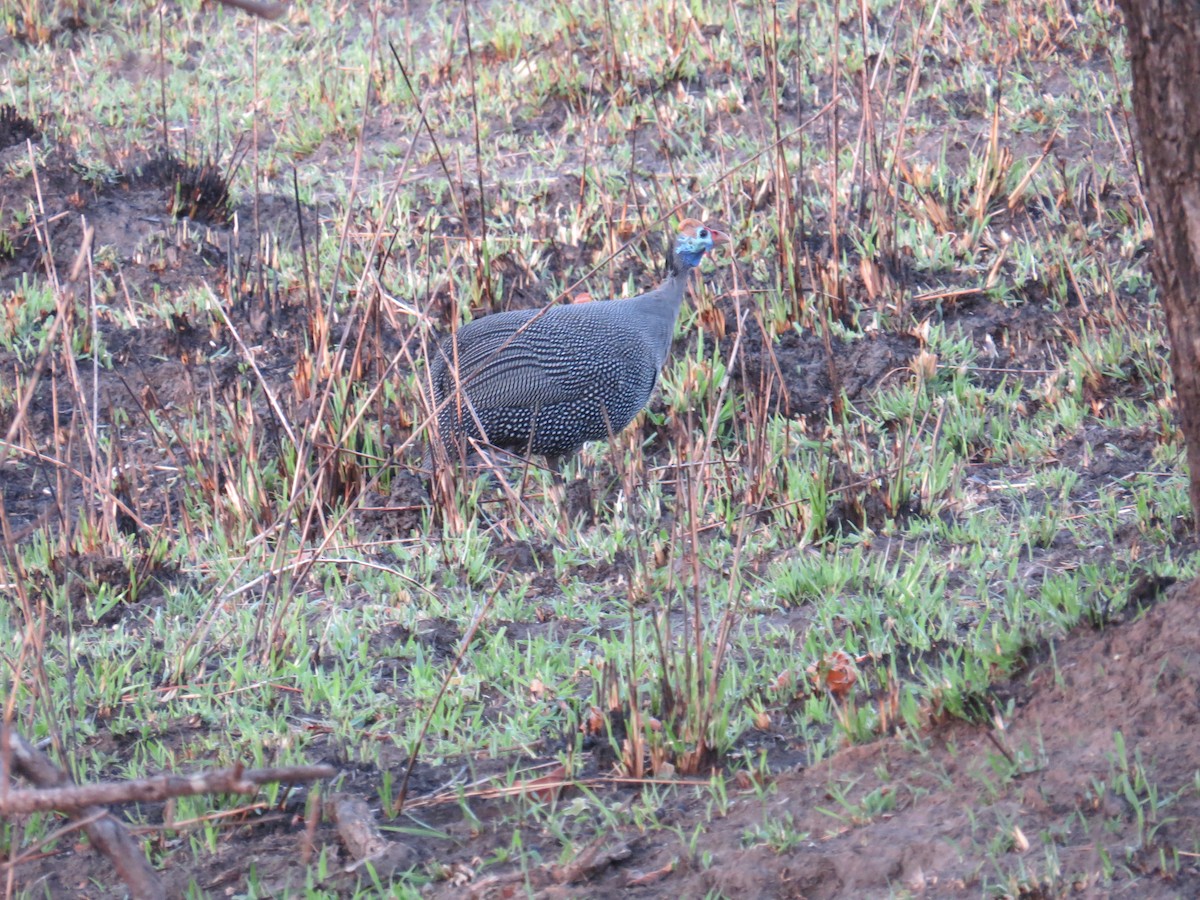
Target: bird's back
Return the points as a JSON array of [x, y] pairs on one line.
[[547, 381]]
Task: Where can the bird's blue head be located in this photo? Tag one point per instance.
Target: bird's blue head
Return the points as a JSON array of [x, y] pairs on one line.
[[694, 240]]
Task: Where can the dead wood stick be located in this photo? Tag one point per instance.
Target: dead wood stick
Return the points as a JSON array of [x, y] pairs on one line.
[[594, 858], [107, 835], [356, 825], [362, 838], [588, 863], [235, 780]]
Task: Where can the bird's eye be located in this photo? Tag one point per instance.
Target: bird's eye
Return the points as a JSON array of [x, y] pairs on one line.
[[702, 233]]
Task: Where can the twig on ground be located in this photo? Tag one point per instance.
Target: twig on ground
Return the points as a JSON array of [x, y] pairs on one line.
[[84, 803], [589, 863], [106, 833], [235, 780]]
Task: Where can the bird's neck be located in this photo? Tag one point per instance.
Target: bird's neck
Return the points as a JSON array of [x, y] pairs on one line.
[[683, 261], [673, 288], [679, 267], [662, 306]]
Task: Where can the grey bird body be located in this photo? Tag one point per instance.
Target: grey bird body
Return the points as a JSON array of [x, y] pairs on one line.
[[548, 381]]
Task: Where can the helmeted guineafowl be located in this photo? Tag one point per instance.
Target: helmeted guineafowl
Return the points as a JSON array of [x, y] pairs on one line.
[[548, 381]]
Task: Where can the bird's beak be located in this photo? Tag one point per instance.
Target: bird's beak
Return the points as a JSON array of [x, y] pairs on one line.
[[719, 237]]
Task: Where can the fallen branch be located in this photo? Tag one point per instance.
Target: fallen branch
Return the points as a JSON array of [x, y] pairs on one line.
[[235, 780], [355, 825], [84, 804], [107, 835], [590, 862]]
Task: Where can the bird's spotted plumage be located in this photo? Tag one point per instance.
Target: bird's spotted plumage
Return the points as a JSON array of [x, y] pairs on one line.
[[548, 381]]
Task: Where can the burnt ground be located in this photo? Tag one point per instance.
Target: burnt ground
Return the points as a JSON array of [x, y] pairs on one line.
[[890, 817], [897, 815], [1039, 802]]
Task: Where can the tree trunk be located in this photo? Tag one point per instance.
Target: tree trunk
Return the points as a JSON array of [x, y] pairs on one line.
[[1163, 38]]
